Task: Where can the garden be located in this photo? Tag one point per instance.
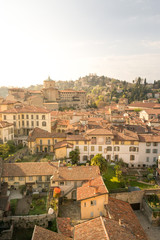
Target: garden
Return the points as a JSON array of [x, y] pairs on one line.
[[117, 176]]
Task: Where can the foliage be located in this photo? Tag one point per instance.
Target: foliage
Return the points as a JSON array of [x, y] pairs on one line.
[[38, 206], [4, 150], [100, 161], [22, 189], [52, 225], [74, 156], [118, 172], [13, 204]]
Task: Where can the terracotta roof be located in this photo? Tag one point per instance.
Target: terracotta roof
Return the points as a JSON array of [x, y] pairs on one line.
[[152, 111], [38, 133], [76, 138], [142, 105], [149, 138], [28, 169], [126, 135], [117, 209], [92, 188], [4, 124], [80, 173], [40, 233], [64, 226], [62, 144], [102, 131], [92, 229], [26, 109]]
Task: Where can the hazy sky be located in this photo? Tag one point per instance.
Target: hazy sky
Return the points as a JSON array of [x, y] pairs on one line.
[[67, 39]]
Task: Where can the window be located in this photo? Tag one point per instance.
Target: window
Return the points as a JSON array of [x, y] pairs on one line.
[[41, 141], [22, 116], [147, 159], [10, 178], [148, 144], [32, 123], [92, 148], [132, 157], [49, 142], [148, 150], [19, 124], [116, 148], [108, 140], [61, 183], [108, 157], [93, 202], [116, 157], [77, 147], [133, 149], [55, 141], [47, 178], [22, 123], [154, 159], [37, 117], [132, 142], [30, 178], [53, 182], [155, 150], [155, 144], [27, 123], [37, 123], [85, 142], [85, 148], [18, 116], [27, 116], [84, 204], [93, 140], [31, 116], [14, 117], [109, 148], [43, 124], [100, 148], [116, 142], [14, 124], [85, 158], [43, 117], [4, 117], [77, 142], [122, 143], [39, 178]]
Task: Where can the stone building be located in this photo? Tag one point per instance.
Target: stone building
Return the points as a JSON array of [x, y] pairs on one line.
[[49, 96]]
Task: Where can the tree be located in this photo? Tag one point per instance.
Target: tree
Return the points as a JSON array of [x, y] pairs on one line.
[[99, 161], [4, 150], [118, 172], [74, 156]]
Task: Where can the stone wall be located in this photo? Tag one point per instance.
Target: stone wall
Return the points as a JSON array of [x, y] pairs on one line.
[[7, 234], [31, 220], [149, 213], [130, 197]]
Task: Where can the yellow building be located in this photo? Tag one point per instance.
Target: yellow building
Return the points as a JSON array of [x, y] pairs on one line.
[[93, 196], [35, 175], [40, 140]]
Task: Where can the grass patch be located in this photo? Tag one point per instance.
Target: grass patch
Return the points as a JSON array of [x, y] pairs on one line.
[[110, 179], [142, 185], [13, 204], [38, 206]]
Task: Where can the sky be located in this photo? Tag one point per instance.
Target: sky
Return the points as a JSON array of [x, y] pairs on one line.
[[68, 39]]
